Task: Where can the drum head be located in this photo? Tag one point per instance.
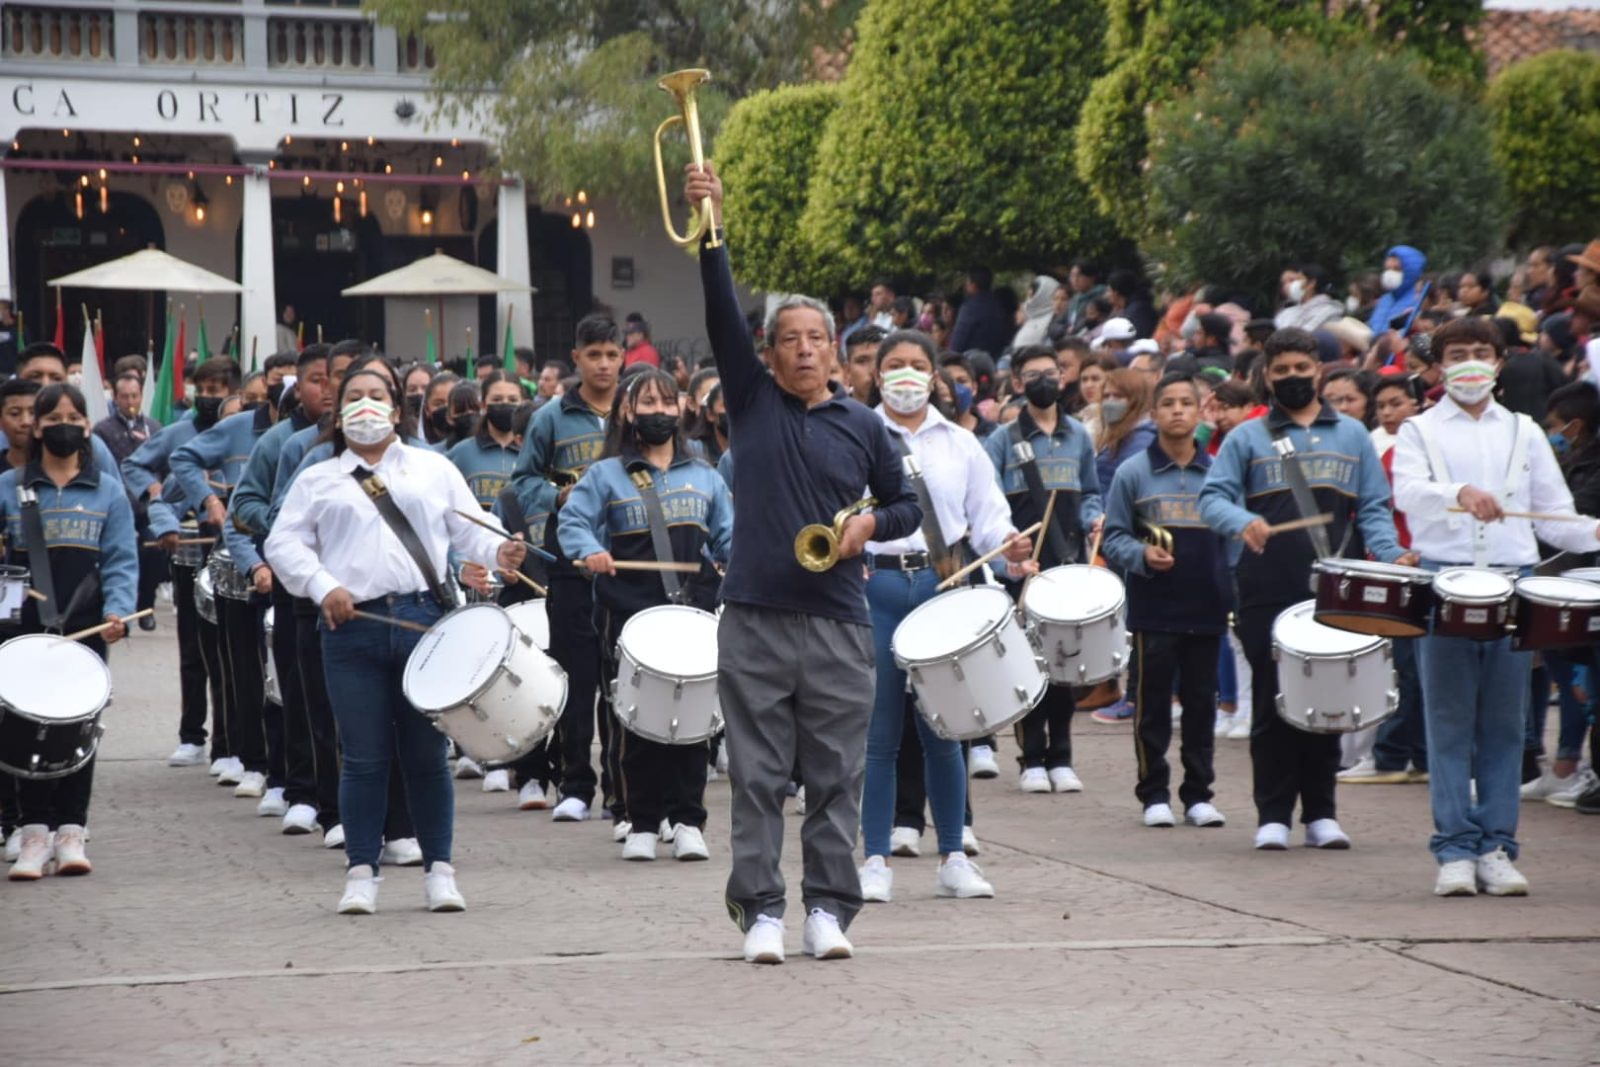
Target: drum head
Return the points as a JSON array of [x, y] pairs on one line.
[[1075, 592], [457, 657], [49, 677], [674, 640], [951, 622], [1373, 567], [1584, 574], [1472, 584], [1296, 631], [1559, 591], [532, 619]]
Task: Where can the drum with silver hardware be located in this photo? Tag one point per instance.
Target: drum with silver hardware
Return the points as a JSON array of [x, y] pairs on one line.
[[205, 597], [189, 553], [1331, 681], [1559, 612], [1472, 602], [666, 684], [271, 688], [971, 664], [52, 692], [1385, 599], [14, 583], [226, 580], [1075, 614], [483, 681]]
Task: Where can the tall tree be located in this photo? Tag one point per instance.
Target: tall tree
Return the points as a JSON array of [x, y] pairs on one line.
[[1547, 138]]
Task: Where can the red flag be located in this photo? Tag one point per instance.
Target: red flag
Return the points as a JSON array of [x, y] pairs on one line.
[[61, 324], [180, 356], [100, 343]]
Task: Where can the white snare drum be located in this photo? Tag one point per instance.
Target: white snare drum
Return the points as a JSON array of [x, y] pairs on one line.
[[226, 579], [14, 582], [271, 688], [1584, 574], [970, 662], [205, 598], [52, 692], [1076, 617], [485, 684], [1331, 681], [532, 618], [666, 686], [189, 555]]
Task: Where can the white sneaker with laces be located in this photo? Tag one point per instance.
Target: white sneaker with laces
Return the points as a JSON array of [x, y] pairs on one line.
[[532, 797], [360, 891], [981, 762], [1204, 814], [70, 856], [1498, 877], [1568, 797], [1240, 730], [689, 844], [823, 938], [1224, 723], [959, 877], [1272, 837], [439, 888], [722, 758], [1159, 815], [1546, 784], [1458, 878], [187, 755], [763, 942], [299, 819], [497, 781], [877, 880], [666, 831], [401, 852], [1065, 780], [232, 771], [467, 767], [639, 847], [252, 784], [570, 810], [272, 805], [621, 830], [905, 841], [218, 765], [800, 801], [14, 845], [1326, 833], [969, 841], [1034, 780], [333, 837], [33, 858]]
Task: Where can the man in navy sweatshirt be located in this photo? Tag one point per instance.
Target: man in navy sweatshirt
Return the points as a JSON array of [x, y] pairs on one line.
[[795, 653]]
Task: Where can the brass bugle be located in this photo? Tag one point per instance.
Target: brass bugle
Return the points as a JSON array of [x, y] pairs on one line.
[[683, 84], [816, 547]]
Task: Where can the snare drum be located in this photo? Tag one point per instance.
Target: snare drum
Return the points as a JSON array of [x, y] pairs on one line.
[[970, 662], [1385, 599], [531, 618], [666, 686], [1556, 613], [496, 586], [226, 580], [189, 555], [52, 692], [205, 598], [1075, 616], [1584, 574], [485, 684], [1331, 681], [14, 582], [1472, 602], [271, 688]]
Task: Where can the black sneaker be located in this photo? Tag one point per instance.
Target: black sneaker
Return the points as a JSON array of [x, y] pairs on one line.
[[1589, 803], [147, 623]]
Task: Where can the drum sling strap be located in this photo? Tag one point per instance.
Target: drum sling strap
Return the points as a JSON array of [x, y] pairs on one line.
[[38, 557], [396, 519], [1304, 502], [516, 522], [1028, 463], [1522, 434], [944, 561], [645, 481]]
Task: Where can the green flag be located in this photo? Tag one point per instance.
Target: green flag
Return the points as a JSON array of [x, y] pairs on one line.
[[509, 352], [433, 349], [161, 403], [205, 345]]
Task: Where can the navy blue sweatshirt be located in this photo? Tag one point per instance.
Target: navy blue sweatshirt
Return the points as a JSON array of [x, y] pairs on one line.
[[798, 465]]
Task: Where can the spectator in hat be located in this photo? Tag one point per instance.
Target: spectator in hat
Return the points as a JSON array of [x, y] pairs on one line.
[[1115, 337], [636, 343], [1588, 264], [1354, 338]]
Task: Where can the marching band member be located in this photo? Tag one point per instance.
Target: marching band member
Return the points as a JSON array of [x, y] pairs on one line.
[[346, 541], [91, 555], [1335, 468], [958, 480], [488, 457], [607, 518], [1178, 601], [43, 364], [1047, 451], [1468, 451], [795, 646]]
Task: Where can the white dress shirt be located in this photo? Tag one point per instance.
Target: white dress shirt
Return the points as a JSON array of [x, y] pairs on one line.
[[1478, 453], [329, 533], [960, 479]]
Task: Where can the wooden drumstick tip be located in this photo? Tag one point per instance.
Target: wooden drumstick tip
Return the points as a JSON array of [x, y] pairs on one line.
[[985, 558], [95, 631]]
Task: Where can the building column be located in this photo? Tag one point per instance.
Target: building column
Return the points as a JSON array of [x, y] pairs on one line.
[[512, 236], [5, 246], [258, 308]]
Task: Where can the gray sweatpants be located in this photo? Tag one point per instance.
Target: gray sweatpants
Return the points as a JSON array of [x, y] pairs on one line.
[[794, 685]]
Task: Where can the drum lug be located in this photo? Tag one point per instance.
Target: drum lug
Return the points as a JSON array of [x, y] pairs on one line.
[[516, 679], [677, 694], [1350, 667], [1566, 620], [961, 675], [1000, 648], [672, 729], [1405, 594], [1305, 667], [914, 676], [483, 716], [977, 713], [629, 715], [1344, 588], [1022, 693]]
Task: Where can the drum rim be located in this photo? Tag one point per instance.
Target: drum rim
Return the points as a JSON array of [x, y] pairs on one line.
[[1311, 616], [1474, 601], [716, 625], [505, 662], [1122, 602], [10, 572], [1335, 565], [1545, 600], [105, 673], [981, 639]]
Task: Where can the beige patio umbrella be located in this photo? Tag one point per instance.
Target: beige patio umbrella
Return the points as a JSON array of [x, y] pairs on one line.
[[150, 270], [438, 276]]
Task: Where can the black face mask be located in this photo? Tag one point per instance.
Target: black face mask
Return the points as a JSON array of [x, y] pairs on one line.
[[722, 425], [464, 425], [499, 416], [439, 422], [275, 394], [1293, 394], [206, 410], [63, 439], [252, 405], [1043, 392], [414, 405], [655, 429]]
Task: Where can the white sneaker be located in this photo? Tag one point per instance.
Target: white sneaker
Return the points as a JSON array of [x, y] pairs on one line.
[[1240, 730], [467, 767], [1458, 878], [959, 877], [1034, 780], [1204, 814], [1498, 877], [722, 758], [689, 844], [823, 939], [905, 841], [217, 766], [439, 888], [711, 773], [272, 805], [1326, 833], [34, 855], [621, 830], [1568, 797], [666, 831], [639, 847], [1065, 780], [800, 801], [252, 784], [70, 856], [1365, 771], [360, 892], [232, 771], [1546, 784], [877, 880], [1272, 837], [14, 845], [570, 810], [402, 852], [1224, 723], [187, 755], [981, 762], [497, 782], [334, 837], [531, 797], [763, 942], [300, 819], [1159, 815], [969, 841]]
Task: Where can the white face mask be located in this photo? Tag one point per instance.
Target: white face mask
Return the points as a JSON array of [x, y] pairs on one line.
[[1469, 382], [1352, 304], [905, 390], [1295, 291], [366, 421], [1391, 280]]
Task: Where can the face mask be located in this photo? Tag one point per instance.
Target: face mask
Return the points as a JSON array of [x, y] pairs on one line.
[[439, 422], [63, 439], [275, 395], [963, 398], [1113, 410], [905, 390], [206, 410], [366, 421], [1352, 304], [75, 380], [1296, 291], [1190, 328], [722, 425], [252, 405], [1043, 392], [1391, 280], [1295, 393], [1560, 441], [1469, 382], [464, 425], [414, 405], [499, 416], [655, 429]]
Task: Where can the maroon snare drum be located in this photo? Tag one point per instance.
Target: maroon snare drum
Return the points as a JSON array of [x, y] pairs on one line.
[[1472, 602], [1382, 599], [1556, 613]]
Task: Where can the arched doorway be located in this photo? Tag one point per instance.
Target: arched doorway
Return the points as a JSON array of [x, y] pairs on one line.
[[561, 268], [315, 259]]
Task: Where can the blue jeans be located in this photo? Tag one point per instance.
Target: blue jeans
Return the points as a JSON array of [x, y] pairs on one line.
[[1401, 738], [1568, 668], [364, 662], [891, 596]]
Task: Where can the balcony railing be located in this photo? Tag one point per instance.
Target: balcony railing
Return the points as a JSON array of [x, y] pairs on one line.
[[332, 45], [82, 35], [415, 57], [172, 38]]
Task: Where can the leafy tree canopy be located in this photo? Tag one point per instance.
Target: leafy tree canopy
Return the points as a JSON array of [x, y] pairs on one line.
[[1547, 138]]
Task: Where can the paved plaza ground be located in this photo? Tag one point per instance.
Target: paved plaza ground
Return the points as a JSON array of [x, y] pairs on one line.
[[204, 936]]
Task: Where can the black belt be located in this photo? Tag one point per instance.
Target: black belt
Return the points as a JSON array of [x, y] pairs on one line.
[[909, 561]]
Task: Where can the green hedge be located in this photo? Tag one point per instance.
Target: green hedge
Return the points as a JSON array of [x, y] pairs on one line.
[[1547, 141]]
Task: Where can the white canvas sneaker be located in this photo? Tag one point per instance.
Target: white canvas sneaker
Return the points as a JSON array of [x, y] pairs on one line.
[[877, 880]]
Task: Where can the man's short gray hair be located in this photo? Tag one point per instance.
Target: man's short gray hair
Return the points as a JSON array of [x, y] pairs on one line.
[[796, 302]]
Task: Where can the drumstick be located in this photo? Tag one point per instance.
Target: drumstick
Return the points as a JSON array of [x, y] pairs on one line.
[[525, 580], [184, 541], [95, 631], [1295, 524], [492, 528], [1536, 516], [1094, 548], [648, 565], [985, 558], [1049, 510], [404, 624], [36, 594]]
